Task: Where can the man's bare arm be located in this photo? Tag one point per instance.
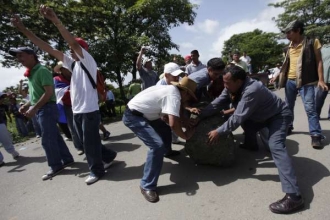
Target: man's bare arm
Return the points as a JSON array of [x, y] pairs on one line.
[[16, 21]]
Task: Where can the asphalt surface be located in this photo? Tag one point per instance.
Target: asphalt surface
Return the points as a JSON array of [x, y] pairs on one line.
[[186, 191]]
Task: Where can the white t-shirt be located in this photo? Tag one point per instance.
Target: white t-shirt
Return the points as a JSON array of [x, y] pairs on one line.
[[156, 101], [246, 59], [84, 97]]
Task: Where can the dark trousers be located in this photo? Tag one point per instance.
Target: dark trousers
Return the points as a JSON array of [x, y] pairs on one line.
[[87, 128], [110, 104]]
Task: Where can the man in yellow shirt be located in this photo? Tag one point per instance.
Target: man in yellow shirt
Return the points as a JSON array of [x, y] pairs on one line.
[[302, 70]]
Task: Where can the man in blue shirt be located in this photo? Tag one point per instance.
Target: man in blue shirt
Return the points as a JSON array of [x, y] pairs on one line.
[[110, 103], [258, 108], [205, 76], [148, 76]]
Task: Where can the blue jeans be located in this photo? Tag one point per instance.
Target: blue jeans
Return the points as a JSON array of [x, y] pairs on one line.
[[157, 136], [56, 150], [276, 128], [87, 128], [307, 93], [320, 96], [6, 140], [21, 127]]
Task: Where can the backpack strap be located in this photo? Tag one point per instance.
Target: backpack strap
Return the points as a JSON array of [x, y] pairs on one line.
[[72, 65], [89, 75]]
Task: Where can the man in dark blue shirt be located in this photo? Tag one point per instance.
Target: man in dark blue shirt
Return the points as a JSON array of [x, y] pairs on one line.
[[259, 108]]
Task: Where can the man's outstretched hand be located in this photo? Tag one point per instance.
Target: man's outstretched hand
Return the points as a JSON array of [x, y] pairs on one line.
[[48, 13]]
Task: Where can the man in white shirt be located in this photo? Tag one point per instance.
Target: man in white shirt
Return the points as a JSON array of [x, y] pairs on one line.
[[247, 60], [238, 62], [195, 65], [143, 116], [84, 97]]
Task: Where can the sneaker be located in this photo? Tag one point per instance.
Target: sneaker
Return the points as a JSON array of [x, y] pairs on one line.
[[107, 165], [15, 155], [80, 152], [2, 163], [38, 136], [67, 139], [91, 179], [66, 164], [176, 141], [106, 135], [51, 173]]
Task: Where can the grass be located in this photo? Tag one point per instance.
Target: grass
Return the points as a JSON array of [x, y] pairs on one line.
[[11, 126]]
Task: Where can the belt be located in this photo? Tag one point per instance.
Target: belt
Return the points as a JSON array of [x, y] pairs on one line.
[[135, 112]]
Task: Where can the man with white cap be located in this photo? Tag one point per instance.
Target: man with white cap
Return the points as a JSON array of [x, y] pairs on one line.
[[148, 76], [171, 73]]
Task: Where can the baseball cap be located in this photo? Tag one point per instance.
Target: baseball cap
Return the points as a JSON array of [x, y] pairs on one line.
[[173, 69], [14, 51], [293, 24], [2, 94], [188, 57], [146, 60], [82, 43]]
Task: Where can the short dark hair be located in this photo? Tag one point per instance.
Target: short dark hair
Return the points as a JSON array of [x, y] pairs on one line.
[[194, 52], [236, 73], [216, 64]]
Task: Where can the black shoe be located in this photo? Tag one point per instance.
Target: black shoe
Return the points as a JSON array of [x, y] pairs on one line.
[[172, 153], [316, 142], [51, 173], [286, 205], [290, 129], [150, 195], [250, 148]]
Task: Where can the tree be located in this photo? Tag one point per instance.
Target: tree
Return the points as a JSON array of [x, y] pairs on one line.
[[314, 13], [262, 47], [114, 29]]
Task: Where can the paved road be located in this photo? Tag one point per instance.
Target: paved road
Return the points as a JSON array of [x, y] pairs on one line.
[[186, 191]]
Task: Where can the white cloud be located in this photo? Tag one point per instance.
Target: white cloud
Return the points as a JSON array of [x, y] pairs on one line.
[[197, 2], [186, 45], [12, 76], [263, 21], [190, 28], [208, 26]]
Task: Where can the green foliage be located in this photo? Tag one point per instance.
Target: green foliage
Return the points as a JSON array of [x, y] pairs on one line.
[[114, 29], [314, 13], [263, 48]]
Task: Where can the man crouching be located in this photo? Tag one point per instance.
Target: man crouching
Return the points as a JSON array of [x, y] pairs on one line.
[[143, 116]]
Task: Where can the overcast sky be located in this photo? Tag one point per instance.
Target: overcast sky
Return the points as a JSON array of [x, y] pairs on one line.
[[216, 22]]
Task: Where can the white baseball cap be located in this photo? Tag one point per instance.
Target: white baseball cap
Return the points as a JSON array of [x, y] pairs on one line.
[[173, 69]]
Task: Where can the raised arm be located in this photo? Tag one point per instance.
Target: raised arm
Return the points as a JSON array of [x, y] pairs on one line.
[[68, 37], [139, 59], [16, 22]]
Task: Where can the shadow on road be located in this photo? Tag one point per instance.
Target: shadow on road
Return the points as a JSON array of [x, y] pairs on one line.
[[18, 165]]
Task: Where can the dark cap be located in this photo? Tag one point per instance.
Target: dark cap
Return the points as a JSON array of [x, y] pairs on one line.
[[28, 50], [292, 25]]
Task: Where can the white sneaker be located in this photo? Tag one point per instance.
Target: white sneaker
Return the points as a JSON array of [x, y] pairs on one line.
[[107, 165], [15, 155], [91, 179]]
